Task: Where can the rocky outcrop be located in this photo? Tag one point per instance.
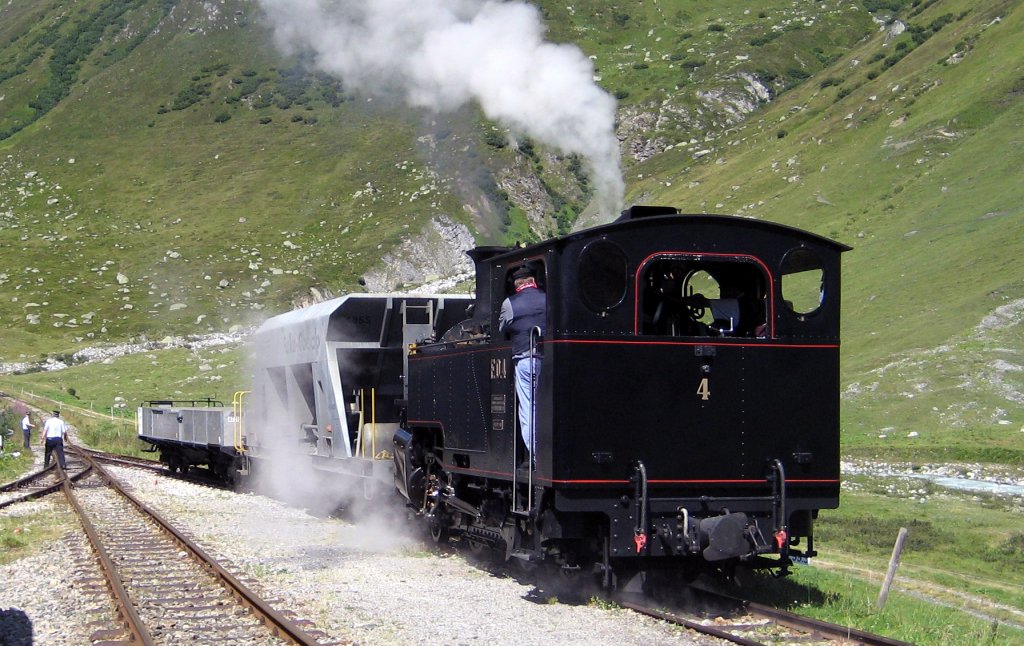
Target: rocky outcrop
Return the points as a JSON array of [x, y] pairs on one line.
[[433, 260]]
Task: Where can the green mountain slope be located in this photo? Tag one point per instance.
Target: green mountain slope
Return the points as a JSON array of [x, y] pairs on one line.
[[126, 176], [164, 169], [170, 143]]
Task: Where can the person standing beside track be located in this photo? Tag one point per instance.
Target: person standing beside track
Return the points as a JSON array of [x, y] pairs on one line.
[[55, 431], [26, 429], [521, 312]]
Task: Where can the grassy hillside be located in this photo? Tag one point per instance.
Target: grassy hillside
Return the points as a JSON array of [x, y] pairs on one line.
[[212, 179], [163, 169]]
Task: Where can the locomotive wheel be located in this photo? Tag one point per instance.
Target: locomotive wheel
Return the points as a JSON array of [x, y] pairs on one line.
[[439, 532]]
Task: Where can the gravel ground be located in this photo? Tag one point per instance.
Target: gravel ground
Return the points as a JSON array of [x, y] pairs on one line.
[[41, 600], [359, 583]]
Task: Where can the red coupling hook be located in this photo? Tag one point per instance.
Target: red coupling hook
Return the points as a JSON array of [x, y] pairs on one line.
[[641, 541], [780, 538]]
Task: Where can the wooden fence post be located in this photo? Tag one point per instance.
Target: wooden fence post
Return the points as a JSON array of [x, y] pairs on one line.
[[894, 563]]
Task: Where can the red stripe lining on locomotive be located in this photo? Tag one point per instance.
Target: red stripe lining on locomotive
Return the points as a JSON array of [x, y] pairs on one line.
[[724, 344], [768, 344], [452, 467]]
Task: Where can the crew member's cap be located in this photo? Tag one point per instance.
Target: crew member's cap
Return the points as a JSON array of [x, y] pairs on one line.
[[522, 272], [56, 413]]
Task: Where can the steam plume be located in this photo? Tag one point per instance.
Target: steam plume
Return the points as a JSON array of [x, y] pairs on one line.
[[442, 54]]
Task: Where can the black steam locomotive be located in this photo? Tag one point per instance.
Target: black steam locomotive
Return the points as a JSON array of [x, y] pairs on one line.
[[687, 408]]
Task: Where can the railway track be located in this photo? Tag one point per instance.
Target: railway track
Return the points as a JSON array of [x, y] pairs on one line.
[[124, 460], [163, 596], [165, 588], [43, 482], [753, 624]]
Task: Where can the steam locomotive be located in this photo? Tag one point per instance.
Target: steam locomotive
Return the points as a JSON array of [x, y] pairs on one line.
[[687, 408]]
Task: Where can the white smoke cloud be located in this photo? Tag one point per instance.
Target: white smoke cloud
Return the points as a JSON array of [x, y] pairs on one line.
[[443, 54]]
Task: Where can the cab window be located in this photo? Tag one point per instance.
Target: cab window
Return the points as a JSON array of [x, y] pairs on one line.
[[803, 282], [701, 296]]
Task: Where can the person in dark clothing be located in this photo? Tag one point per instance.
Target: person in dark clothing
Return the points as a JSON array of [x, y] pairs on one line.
[[521, 313]]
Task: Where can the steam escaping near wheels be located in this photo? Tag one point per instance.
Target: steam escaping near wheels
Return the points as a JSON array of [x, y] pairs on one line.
[[444, 54]]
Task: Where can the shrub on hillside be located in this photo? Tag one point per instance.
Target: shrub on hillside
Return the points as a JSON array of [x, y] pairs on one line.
[[874, 6], [764, 39], [495, 139], [797, 74], [191, 95]]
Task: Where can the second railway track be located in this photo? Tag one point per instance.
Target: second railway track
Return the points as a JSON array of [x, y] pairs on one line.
[[167, 590], [42, 482]]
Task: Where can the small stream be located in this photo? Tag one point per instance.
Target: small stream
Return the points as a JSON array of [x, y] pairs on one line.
[[967, 484], [978, 479]]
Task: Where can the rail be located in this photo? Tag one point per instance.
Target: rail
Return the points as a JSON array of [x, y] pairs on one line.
[[809, 627], [130, 618], [275, 621], [36, 486]]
